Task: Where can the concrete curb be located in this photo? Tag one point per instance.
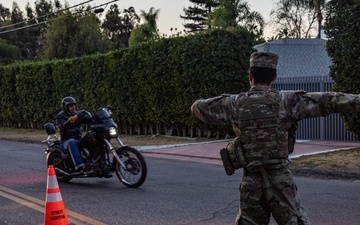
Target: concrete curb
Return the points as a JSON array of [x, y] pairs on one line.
[[318, 152], [155, 147]]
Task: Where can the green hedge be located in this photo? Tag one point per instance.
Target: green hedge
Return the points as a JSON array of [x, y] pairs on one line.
[[342, 29], [151, 87]]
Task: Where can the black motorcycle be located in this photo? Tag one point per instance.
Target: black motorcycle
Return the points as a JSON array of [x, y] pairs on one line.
[[96, 150]]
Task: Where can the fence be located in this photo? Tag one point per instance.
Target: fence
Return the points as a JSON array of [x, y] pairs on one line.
[[321, 128]]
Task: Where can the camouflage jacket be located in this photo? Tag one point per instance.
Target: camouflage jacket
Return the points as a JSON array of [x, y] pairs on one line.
[[294, 106]]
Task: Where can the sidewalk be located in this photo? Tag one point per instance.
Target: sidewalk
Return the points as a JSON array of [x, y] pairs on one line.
[[208, 152]]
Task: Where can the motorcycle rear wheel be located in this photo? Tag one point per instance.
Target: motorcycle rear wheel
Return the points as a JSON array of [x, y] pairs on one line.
[[57, 161], [135, 172]]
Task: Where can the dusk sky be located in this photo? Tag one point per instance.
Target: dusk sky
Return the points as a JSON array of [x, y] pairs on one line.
[[170, 10]]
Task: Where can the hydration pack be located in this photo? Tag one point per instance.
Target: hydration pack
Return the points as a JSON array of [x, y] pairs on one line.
[[261, 135]]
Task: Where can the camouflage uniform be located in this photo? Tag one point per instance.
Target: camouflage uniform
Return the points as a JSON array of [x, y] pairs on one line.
[[267, 187]]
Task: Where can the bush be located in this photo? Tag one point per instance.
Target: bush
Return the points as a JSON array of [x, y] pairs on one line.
[[342, 29], [151, 86]]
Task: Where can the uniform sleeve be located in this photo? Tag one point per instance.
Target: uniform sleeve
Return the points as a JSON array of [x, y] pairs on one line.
[[216, 110], [315, 104]]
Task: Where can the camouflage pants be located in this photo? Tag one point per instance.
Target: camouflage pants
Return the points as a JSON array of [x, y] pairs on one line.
[[258, 202]]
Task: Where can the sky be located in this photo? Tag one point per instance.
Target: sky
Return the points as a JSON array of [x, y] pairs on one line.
[[169, 14]]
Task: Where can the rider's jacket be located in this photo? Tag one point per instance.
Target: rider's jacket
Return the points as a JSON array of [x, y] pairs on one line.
[[70, 130]]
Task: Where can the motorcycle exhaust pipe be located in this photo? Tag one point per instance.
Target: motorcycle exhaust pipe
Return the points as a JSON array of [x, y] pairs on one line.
[[61, 172], [64, 173]]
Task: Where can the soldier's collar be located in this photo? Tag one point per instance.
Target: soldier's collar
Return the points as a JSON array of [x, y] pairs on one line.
[[259, 88]]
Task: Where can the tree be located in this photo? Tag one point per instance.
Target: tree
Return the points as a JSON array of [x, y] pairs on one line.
[[73, 35], [118, 27], [198, 14], [24, 32], [5, 21], [295, 16], [44, 11], [146, 31], [151, 18], [8, 53], [4, 14], [237, 13], [342, 29], [32, 40], [318, 6], [17, 37], [232, 13]]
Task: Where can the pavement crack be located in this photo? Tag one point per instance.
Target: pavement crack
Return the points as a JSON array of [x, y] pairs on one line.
[[228, 210]]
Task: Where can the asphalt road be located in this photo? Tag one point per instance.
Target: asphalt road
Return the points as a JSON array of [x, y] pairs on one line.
[[175, 192]]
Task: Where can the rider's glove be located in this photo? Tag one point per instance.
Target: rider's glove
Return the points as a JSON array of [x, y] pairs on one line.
[[72, 118]]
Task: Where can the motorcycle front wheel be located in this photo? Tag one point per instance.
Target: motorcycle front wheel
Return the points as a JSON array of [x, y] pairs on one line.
[[57, 161], [135, 171]]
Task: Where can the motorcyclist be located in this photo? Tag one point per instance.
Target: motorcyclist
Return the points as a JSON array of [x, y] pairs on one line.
[[70, 122]]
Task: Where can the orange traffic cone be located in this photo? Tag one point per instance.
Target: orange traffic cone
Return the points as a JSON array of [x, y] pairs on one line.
[[55, 213]]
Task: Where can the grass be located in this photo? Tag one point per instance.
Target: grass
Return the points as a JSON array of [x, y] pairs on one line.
[[346, 160], [36, 136]]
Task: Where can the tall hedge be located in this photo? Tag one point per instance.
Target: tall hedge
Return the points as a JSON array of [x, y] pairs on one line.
[[150, 87], [342, 28]]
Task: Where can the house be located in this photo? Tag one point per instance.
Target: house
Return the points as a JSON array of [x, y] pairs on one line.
[[304, 64], [299, 57]]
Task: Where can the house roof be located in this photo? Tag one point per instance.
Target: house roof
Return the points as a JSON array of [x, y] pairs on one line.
[[299, 57]]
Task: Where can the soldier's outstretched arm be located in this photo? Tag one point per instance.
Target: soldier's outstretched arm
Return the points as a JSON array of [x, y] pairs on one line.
[[216, 110], [315, 104]]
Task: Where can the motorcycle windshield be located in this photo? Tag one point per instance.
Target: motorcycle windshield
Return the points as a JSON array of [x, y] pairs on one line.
[[104, 124], [103, 120], [102, 115]]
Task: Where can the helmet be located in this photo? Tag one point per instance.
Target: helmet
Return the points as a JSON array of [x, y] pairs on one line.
[[66, 101]]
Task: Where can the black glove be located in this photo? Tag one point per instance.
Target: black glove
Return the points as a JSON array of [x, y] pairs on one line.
[[84, 114], [81, 113]]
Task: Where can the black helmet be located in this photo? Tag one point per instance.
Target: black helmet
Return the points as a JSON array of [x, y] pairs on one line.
[[67, 101]]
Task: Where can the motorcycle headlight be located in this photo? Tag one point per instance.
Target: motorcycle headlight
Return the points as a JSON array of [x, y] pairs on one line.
[[113, 132]]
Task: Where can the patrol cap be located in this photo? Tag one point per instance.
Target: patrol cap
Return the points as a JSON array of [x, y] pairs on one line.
[[264, 59]]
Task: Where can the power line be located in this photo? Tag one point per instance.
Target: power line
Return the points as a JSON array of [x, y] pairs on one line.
[[37, 24], [49, 14]]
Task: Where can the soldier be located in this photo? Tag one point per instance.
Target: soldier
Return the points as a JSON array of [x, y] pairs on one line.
[[264, 121]]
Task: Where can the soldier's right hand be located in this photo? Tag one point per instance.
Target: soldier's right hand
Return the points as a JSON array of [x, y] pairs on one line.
[[72, 119]]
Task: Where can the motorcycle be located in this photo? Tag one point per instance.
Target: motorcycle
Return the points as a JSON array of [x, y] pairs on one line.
[[100, 156]]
